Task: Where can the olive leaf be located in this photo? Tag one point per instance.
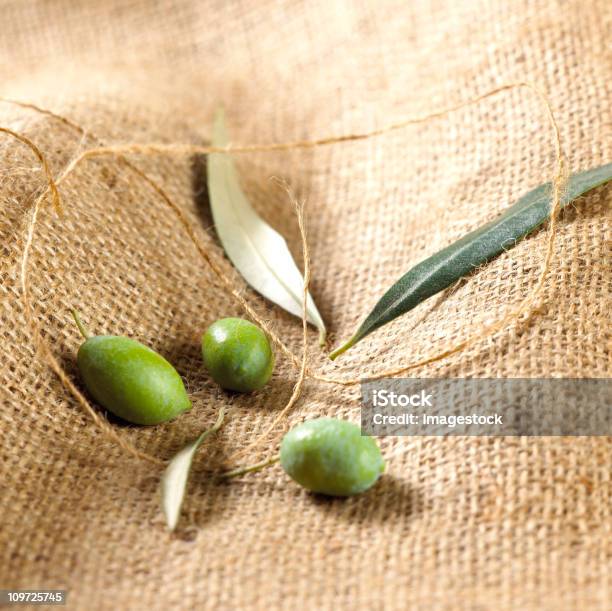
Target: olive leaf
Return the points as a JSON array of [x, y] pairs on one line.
[[258, 252], [444, 268], [174, 479]]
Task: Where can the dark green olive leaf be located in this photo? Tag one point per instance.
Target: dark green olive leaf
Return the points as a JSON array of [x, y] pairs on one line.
[[444, 268], [174, 479]]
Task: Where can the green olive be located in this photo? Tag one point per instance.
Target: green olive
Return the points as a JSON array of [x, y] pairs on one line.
[[129, 379], [237, 354], [331, 457]]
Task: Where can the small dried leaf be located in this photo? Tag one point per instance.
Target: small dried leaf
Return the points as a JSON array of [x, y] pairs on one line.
[[174, 479]]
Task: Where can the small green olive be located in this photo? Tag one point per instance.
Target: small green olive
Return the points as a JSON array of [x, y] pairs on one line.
[[130, 380], [237, 354], [331, 457]]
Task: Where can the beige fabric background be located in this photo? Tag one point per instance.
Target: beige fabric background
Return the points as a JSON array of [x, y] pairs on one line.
[[454, 524]]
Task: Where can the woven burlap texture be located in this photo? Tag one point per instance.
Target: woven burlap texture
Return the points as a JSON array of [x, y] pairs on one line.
[[461, 523]]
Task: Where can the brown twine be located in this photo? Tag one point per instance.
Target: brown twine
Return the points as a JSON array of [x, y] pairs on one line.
[[41, 344], [43, 161], [182, 218], [44, 347], [180, 149], [557, 185], [297, 389], [299, 209]]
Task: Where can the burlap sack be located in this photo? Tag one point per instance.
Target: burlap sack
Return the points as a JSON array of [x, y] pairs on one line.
[[476, 523]]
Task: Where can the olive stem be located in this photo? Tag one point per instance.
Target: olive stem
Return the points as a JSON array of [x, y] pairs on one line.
[[82, 327], [250, 469], [342, 349], [218, 423]]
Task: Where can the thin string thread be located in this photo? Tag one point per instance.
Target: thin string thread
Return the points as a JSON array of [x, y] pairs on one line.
[[43, 162], [182, 218], [297, 390], [179, 149], [41, 344], [44, 347], [527, 303], [182, 149], [154, 149], [558, 183]]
